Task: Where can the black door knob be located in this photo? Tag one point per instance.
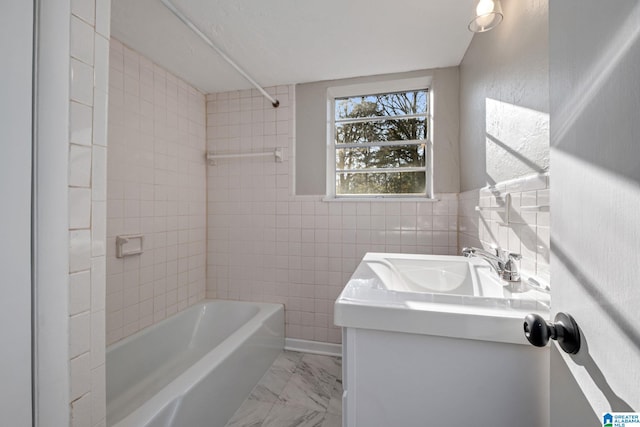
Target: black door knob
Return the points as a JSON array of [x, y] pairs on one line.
[[564, 329]]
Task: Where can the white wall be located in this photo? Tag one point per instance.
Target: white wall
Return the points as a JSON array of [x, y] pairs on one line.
[[51, 216], [311, 129], [504, 98], [595, 139], [504, 136], [156, 187], [16, 48]]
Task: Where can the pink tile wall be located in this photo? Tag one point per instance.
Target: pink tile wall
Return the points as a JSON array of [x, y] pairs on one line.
[[266, 245], [528, 230], [157, 187]]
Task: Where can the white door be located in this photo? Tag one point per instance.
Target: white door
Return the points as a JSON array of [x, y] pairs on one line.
[[16, 34], [595, 199]]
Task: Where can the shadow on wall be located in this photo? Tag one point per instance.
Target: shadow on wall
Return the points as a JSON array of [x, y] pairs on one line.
[[584, 359], [516, 140], [630, 330], [619, 55], [574, 406], [527, 236], [516, 154]]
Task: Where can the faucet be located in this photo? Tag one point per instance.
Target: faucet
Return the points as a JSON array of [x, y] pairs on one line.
[[501, 261]]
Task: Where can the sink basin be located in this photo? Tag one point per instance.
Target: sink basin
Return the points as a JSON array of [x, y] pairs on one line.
[[424, 275], [449, 296], [438, 274]]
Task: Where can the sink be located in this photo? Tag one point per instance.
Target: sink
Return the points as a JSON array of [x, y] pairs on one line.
[[422, 333], [451, 276], [439, 275], [440, 295]]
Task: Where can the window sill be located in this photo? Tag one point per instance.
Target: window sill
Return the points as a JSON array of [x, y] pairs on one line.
[[380, 199]]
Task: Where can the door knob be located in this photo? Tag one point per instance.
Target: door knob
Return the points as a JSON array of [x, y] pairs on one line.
[[564, 329]]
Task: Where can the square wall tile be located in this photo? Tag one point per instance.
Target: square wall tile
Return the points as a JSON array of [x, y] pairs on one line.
[[81, 123], [156, 185], [103, 18], [80, 376], [79, 334], [79, 292], [81, 411], [81, 41], [81, 82], [79, 208], [84, 9], [79, 166], [79, 250]]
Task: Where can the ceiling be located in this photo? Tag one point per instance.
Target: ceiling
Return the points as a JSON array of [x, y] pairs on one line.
[[294, 41]]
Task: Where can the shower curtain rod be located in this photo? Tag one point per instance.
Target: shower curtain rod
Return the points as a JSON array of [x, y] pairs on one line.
[[181, 16]]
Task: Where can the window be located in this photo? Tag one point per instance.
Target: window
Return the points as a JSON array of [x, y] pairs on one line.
[[379, 144]]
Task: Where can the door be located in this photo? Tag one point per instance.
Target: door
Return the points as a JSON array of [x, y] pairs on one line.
[[16, 47], [595, 196]]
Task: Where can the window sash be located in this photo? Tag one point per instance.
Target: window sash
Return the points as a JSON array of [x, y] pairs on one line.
[[381, 118], [384, 170], [333, 146], [397, 143]]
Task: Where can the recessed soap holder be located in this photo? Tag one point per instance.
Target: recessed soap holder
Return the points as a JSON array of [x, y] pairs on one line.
[[129, 244]]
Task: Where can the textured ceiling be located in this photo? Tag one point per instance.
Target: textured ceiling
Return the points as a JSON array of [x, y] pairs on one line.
[[295, 41]]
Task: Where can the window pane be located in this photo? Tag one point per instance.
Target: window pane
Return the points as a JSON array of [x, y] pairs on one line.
[[389, 104], [380, 183], [380, 157], [385, 130]]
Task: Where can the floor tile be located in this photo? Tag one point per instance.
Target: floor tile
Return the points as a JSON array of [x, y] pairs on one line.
[[307, 391], [293, 416], [299, 390], [332, 420], [250, 414]]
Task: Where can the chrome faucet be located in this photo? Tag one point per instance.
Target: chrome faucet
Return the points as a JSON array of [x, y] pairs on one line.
[[501, 261]]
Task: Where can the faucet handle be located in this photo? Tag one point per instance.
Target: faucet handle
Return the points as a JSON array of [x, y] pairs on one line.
[[467, 251], [510, 268], [513, 256], [506, 255]]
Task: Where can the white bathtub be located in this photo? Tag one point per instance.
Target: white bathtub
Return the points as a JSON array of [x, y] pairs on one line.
[[195, 368]]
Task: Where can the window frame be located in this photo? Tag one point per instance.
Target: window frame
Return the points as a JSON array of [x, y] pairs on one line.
[[378, 87]]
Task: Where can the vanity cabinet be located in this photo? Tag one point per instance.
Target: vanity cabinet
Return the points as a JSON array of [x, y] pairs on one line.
[[427, 359]]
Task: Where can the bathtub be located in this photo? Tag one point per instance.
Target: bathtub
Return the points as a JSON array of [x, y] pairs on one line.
[[195, 368]]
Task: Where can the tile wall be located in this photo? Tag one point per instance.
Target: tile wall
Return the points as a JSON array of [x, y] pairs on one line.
[[528, 230], [266, 245], [157, 187], [89, 47]]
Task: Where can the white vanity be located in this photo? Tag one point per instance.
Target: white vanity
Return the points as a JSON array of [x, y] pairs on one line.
[[438, 341]]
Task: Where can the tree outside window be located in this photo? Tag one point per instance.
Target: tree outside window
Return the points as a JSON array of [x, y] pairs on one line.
[[380, 143]]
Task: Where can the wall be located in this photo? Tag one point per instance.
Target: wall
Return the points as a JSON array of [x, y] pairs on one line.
[[504, 136], [87, 195], [264, 244], [595, 99], [156, 186], [50, 261], [504, 98], [16, 33], [311, 129], [528, 232]]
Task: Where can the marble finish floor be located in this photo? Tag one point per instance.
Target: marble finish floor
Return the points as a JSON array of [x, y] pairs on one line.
[[300, 389]]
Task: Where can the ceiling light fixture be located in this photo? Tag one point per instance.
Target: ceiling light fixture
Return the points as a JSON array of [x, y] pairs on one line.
[[488, 15]]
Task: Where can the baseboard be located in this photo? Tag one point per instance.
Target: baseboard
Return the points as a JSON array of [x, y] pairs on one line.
[[315, 347]]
